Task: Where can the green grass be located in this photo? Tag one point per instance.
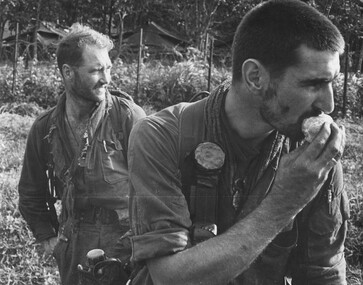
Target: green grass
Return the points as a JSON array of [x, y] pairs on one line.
[[22, 261]]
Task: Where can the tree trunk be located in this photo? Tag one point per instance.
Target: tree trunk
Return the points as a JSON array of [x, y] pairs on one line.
[[110, 16], [2, 27], [120, 31], [35, 34], [74, 13], [15, 58], [360, 60], [328, 5], [197, 35], [104, 18]]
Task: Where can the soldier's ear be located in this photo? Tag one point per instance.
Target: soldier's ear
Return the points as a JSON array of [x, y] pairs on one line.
[[254, 75], [67, 71]]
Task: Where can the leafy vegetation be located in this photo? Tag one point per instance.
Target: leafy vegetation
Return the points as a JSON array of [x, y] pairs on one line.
[[194, 20], [22, 261], [160, 84]]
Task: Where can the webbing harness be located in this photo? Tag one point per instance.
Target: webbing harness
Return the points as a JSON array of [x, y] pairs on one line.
[[119, 99], [200, 188], [199, 184]]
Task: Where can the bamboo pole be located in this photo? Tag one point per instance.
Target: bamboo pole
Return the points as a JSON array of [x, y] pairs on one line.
[[211, 48], [345, 81], [139, 67], [15, 58]]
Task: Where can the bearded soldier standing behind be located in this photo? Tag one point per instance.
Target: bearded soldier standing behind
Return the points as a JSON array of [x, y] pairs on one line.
[[77, 149]]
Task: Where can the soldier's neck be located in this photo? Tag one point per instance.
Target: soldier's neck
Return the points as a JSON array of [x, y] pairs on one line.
[[79, 110]]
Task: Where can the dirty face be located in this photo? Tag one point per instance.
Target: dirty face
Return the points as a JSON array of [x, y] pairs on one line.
[[304, 90], [93, 75]]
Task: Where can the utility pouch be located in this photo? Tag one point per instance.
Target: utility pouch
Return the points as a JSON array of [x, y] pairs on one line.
[[208, 160], [102, 270]]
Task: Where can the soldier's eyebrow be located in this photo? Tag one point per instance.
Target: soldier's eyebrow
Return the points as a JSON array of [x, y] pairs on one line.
[[318, 80]]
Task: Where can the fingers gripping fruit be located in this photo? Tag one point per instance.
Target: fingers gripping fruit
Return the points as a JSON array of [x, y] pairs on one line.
[[311, 126]]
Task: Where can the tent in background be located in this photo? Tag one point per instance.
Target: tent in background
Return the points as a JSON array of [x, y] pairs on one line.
[[156, 40], [48, 35]]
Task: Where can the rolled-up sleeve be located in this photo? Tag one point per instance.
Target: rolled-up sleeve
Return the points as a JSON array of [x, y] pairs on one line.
[[322, 237], [159, 213]]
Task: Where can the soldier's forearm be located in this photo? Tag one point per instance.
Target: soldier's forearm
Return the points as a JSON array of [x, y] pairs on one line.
[[220, 259]]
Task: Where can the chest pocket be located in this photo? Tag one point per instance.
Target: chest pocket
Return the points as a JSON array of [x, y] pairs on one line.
[[331, 209], [113, 164], [328, 217]]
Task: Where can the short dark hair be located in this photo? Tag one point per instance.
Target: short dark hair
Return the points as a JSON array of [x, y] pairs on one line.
[[70, 48], [273, 31]]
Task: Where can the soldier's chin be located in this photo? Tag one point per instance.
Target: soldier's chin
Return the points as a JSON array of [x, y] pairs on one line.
[[101, 89], [100, 92], [294, 133]]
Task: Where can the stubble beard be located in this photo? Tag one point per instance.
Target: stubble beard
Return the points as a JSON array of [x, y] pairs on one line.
[[90, 94], [274, 116]]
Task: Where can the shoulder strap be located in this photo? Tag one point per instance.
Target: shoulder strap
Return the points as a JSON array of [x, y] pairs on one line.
[[45, 133], [51, 194], [121, 100], [199, 190], [191, 128], [121, 94]]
